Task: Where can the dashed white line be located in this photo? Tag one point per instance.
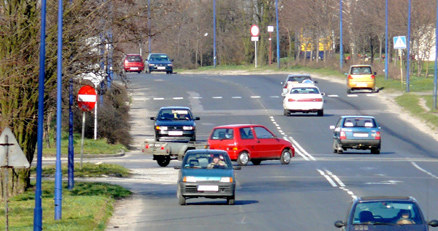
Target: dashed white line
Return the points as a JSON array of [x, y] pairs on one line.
[[371, 95], [352, 95], [236, 97], [333, 96], [196, 97], [255, 97], [217, 97], [178, 98], [274, 96], [158, 98]]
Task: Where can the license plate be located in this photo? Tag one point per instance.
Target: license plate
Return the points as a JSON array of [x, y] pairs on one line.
[[161, 68], [134, 68], [362, 135], [175, 133], [361, 85], [209, 188]]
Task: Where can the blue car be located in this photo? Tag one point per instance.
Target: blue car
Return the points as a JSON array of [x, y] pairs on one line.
[[206, 173], [159, 62], [385, 213], [356, 132]]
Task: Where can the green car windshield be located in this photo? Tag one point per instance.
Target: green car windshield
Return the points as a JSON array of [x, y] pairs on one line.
[[207, 161]]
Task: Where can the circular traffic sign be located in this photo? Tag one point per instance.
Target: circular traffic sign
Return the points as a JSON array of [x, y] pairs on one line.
[[255, 31], [87, 98]]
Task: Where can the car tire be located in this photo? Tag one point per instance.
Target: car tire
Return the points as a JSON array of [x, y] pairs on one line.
[[182, 200], [193, 138], [231, 200], [286, 112], [243, 158], [349, 91], [256, 162], [163, 161], [321, 112], [375, 151], [286, 156], [337, 148]]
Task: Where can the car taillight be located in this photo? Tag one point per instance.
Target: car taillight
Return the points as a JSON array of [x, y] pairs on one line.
[[285, 86], [318, 100], [147, 146], [372, 76], [291, 100], [350, 77], [342, 136], [377, 136]]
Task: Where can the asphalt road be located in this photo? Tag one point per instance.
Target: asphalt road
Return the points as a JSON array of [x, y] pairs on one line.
[[308, 194]]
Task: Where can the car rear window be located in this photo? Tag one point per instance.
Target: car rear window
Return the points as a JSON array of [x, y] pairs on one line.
[[222, 134], [133, 58], [360, 122], [304, 90], [299, 79], [360, 70]]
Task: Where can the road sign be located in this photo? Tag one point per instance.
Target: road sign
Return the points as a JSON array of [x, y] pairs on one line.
[[270, 29], [255, 31], [87, 98], [400, 42], [254, 39], [14, 156]]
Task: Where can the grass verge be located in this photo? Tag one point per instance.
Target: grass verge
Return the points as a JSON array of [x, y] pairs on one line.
[[411, 103], [87, 207], [87, 170]]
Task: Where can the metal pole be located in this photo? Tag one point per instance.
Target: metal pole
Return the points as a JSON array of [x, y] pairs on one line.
[[95, 118], [38, 210], [270, 48], [6, 182], [214, 32], [71, 152], [278, 34], [436, 54], [386, 40], [58, 172], [149, 25], [408, 54], [255, 57], [341, 51], [82, 137]]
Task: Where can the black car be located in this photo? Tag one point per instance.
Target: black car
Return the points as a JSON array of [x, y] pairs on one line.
[[159, 62], [385, 213], [206, 173], [175, 124]]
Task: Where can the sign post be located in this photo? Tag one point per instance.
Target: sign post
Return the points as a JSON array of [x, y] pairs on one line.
[[399, 44], [87, 98], [11, 156], [270, 30], [255, 31]]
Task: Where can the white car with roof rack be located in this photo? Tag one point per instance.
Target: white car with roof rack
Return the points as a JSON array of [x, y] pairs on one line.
[[304, 98]]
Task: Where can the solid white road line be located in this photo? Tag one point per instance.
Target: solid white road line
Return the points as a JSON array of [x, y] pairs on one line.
[[423, 170], [298, 151], [333, 184], [336, 178], [298, 146]]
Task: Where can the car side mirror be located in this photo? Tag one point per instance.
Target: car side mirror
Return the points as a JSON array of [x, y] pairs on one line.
[[433, 223], [237, 167], [339, 224], [197, 118], [323, 93], [332, 127], [177, 167], [152, 118], [315, 81], [171, 60]]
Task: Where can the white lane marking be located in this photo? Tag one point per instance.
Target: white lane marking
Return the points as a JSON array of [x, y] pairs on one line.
[[333, 96], [158, 98], [299, 152], [196, 97], [255, 97], [327, 178], [352, 95], [340, 183], [274, 96], [371, 95], [298, 146], [349, 192], [177, 98], [236, 97], [423, 170], [217, 97]]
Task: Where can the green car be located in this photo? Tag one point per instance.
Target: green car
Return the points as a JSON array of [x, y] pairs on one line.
[[206, 173]]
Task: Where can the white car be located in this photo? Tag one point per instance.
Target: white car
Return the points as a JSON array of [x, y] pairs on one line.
[[303, 98], [292, 80]]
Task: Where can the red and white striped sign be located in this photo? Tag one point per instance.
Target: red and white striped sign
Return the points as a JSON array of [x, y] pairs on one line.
[[87, 98]]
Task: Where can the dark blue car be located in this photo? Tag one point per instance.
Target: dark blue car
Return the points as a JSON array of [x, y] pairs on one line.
[[206, 173], [385, 213], [175, 123], [159, 62]]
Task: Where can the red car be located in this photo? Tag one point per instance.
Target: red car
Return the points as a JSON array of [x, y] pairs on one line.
[[250, 142], [133, 63]]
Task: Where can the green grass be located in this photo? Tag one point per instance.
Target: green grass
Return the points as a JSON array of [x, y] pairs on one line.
[[411, 102], [91, 146], [87, 207], [87, 170]]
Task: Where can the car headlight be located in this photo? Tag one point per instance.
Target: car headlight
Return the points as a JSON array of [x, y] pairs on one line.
[[188, 127], [226, 180], [163, 128], [189, 179]]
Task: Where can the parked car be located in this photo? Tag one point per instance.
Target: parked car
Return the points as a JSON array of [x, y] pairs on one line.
[[133, 63], [356, 132], [291, 80], [361, 77], [175, 124], [303, 98], [385, 213], [206, 173], [250, 142], [159, 62]]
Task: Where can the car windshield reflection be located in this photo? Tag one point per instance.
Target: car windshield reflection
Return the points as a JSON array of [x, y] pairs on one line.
[[207, 161], [386, 213]]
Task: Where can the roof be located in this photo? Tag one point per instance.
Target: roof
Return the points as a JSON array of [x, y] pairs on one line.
[[361, 65], [291, 75], [386, 198], [175, 107], [354, 116], [206, 151], [237, 125]]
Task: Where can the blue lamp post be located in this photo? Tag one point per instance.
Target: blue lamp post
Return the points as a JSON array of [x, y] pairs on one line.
[[408, 42], [214, 32], [341, 52], [386, 40], [436, 54], [278, 34]]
